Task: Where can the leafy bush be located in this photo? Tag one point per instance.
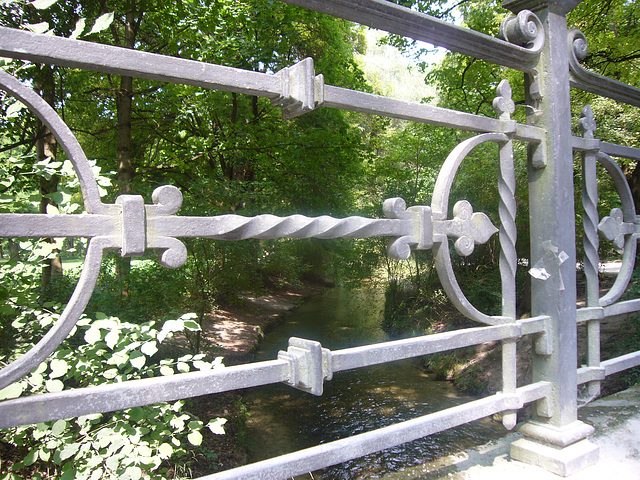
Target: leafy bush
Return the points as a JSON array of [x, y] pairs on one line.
[[141, 442], [152, 290]]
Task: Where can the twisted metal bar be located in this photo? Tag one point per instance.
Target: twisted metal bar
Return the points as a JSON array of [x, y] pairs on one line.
[[590, 218], [504, 106], [237, 227], [591, 243], [411, 227]]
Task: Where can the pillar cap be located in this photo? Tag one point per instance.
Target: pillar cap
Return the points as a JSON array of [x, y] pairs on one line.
[[560, 6]]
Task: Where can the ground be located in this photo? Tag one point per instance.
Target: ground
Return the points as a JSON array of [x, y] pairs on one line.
[[617, 422]]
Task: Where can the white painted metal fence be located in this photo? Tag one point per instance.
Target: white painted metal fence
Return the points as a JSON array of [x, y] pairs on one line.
[[535, 42]]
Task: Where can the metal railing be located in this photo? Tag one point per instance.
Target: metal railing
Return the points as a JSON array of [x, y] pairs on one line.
[[534, 43]]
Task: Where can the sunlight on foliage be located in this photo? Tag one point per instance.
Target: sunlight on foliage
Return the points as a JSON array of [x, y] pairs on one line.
[[133, 443]]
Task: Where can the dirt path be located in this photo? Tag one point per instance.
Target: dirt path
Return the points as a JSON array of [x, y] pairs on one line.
[[235, 331]]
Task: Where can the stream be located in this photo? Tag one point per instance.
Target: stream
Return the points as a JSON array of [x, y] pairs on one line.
[[283, 419]]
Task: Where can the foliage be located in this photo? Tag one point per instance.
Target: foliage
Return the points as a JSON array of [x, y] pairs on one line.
[[132, 443], [142, 441]]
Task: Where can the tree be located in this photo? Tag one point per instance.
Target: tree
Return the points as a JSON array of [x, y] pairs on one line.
[[467, 84]]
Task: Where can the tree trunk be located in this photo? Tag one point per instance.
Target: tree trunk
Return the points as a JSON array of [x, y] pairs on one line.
[[124, 98], [46, 147], [634, 185]]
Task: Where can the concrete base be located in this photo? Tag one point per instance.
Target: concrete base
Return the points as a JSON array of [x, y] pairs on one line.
[[563, 461]]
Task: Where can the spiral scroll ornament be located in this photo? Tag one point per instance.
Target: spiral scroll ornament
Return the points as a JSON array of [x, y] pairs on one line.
[[578, 44], [525, 30], [589, 81]]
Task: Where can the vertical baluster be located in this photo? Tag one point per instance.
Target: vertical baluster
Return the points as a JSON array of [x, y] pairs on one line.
[[591, 243], [504, 107]]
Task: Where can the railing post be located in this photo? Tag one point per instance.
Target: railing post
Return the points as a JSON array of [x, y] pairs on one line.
[[554, 439]]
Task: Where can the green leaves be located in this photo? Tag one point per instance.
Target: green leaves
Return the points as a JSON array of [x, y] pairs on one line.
[[217, 425], [102, 23], [131, 443], [149, 348], [54, 386], [77, 31], [185, 322], [43, 4], [14, 109], [195, 438], [41, 27], [58, 368], [92, 335], [12, 391]]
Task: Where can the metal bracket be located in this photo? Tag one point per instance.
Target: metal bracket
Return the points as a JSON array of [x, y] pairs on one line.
[[309, 365], [134, 241], [421, 236], [302, 91]]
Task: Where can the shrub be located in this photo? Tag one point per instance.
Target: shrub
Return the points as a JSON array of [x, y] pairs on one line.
[[140, 442]]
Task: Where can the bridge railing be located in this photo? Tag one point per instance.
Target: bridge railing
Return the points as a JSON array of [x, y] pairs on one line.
[[552, 65]]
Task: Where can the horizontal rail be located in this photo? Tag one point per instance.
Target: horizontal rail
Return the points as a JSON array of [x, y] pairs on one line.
[[587, 81], [117, 60], [339, 451], [134, 63], [27, 225], [345, 99], [591, 374], [134, 393], [620, 151], [619, 308], [403, 21], [581, 144], [589, 313], [624, 362], [375, 354], [608, 367]]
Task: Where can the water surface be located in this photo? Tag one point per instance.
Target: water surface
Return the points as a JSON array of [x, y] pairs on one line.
[[283, 419]]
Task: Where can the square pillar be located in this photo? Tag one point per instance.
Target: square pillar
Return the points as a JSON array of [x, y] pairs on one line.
[[554, 439]]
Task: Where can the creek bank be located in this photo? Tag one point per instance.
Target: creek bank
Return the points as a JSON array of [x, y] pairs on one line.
[[477, 370], [235, 331]]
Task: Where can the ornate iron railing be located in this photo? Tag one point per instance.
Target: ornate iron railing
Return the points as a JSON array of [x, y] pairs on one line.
[[534, 43]]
